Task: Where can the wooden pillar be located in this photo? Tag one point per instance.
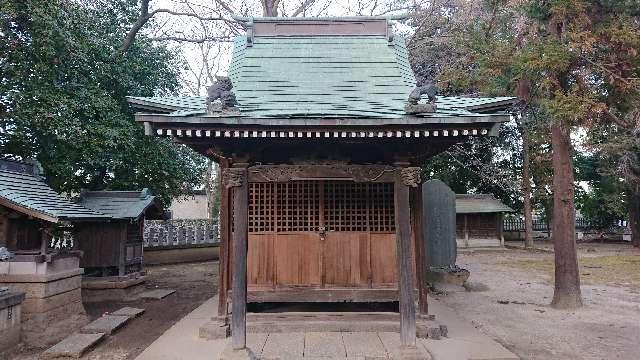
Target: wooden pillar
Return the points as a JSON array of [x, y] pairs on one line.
[[466, 230], [406, 177], [421, 266], [500, 225], [223, 233], [236, 178]]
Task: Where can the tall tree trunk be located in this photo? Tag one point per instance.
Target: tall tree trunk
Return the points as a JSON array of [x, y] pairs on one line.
[[567, 277], [526, 190], [633, 204]]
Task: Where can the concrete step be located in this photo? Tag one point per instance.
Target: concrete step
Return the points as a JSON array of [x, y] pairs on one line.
[[73, 346]]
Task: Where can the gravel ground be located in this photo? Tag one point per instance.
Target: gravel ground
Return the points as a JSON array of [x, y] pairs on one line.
[[607, 327]]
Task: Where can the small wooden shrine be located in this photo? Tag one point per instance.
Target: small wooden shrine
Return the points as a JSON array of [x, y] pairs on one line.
[[35, 226], [114, 247], [479, 220], [320, 131]]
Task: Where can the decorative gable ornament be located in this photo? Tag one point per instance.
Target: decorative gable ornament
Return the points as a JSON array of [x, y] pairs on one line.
[[220, 98]]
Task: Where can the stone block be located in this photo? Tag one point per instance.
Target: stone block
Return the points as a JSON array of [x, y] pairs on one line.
[[107, 324], [40, 305], [156, 294], [46, 289], [130, 312], [10, 316], [73, 346]]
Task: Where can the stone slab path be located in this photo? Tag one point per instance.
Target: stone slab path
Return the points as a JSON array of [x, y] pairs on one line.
[[182, 342], [156, 294], [130, 312], [107, 324], [73, 346], [91, 334]]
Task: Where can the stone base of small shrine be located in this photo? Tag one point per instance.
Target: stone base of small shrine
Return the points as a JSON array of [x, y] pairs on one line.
[[296, 322], [10, 319], [111, 288], [51, 284]]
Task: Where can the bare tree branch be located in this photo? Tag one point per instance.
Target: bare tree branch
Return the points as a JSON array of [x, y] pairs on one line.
[[303, 7]]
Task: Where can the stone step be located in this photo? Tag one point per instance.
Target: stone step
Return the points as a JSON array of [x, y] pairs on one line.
[[156, 294], [424, 328], [130, 312], [106, 324], [73, 346]]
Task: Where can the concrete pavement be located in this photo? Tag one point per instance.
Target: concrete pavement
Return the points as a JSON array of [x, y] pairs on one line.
[[181, 342]]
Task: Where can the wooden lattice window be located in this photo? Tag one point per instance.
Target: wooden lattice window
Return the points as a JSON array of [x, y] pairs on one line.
[[261, 207], [308, 205], [298, 206], [381, 207]]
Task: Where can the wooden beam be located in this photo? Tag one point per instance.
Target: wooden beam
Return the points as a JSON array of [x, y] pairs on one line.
[[236, 178], [357, 173], [407, 177]]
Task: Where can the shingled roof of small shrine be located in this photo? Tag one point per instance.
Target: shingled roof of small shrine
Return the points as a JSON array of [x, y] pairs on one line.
[[24, 191], [479, 203], [118, 204]]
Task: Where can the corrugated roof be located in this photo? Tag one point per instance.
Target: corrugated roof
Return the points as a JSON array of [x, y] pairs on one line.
[[479, 203], [25, 191], [118, 204]]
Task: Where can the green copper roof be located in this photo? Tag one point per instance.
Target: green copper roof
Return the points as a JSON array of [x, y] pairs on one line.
[[354, 76], [23, 191], [347, 76]]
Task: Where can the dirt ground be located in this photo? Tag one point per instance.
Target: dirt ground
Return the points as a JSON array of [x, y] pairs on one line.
[[508, 299], [194, 283], [512, 290]]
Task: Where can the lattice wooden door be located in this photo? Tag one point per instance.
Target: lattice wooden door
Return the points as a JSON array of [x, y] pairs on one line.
[[321, 234]]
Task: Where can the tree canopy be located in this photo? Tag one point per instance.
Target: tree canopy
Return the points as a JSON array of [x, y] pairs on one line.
[[63, 96]]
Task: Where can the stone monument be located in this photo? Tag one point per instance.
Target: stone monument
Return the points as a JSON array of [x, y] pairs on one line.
[[439, 226]]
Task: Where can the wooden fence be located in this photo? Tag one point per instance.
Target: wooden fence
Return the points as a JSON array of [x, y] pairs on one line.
[[180, 233]]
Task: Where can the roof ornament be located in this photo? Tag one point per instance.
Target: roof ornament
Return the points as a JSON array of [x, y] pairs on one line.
[[425, 88], [220, 98]]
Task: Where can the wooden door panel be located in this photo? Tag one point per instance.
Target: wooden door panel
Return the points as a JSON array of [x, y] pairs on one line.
[[260, 262], [298, 259], [383, 260], [346, 259]]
